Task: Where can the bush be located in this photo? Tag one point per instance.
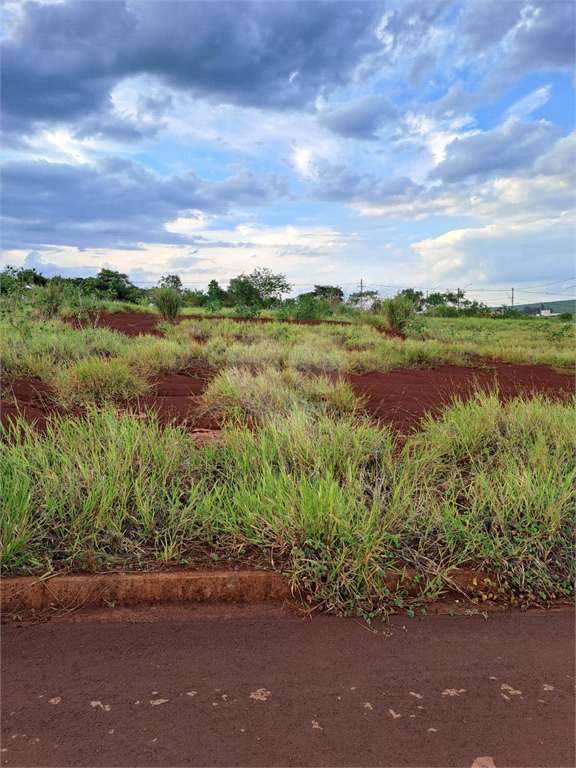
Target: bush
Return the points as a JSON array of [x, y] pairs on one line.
[[48, 299], [397, 312], [244, 310], [566, 317], [305, 307], [443, 310], [168, 302]]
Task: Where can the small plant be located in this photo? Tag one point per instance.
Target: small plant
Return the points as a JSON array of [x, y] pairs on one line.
[[212, 306], [168, 302]]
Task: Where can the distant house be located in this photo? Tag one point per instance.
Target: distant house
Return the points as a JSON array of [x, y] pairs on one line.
[[548, 313]]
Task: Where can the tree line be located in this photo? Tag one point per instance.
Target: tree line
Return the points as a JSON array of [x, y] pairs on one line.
[[248, 294]]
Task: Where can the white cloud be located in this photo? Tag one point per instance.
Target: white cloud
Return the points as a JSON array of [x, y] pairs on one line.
[[499, 253], [534, 100]]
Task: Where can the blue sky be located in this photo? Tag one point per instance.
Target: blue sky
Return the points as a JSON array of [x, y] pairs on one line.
[[423, 144]]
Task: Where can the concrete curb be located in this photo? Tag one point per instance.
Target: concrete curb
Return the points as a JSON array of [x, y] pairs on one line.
[[128, 589], [98, 590]]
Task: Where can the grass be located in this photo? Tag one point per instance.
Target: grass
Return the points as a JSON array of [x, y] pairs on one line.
[[332, 502], [302, 480], [97, 381], [238, 394], [532, 341]]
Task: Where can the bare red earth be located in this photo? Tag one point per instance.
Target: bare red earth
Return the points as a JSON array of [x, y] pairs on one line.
[[135, 323], [402, 398]]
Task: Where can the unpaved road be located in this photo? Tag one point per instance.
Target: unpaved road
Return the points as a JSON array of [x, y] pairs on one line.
[[262, 686]]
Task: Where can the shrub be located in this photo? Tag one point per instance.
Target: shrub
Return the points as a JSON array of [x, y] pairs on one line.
[[397, 312], [48, 299], [245, 310], [443, 310], [305, 307], [566, 317], [168, 302]]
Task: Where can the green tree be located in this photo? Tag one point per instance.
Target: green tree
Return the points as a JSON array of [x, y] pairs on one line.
[[416, 297], [328, 292], [194, 298], [243, 292], [113, 285], [363, 299], [215, 293], [269, 286], [171, 281]]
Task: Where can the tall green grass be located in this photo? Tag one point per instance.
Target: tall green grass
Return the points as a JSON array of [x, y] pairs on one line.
[[334, 503]]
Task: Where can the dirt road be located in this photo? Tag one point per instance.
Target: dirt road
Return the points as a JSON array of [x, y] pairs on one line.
[[262, 686]]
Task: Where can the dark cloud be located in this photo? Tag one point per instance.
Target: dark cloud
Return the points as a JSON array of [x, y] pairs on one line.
[[116, 202], [543, 37], [62, 60], [341, 183], [508, 148], [548, 41], [487, 21], [360, 119]]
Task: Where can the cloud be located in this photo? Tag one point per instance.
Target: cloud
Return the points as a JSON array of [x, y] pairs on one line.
[[542, 190], [359, 119], [116, 201], [532, 101], [34, 261], [532, 36], [493, 253], [507, 148], [486, 22], [62, 61], [341, 183]]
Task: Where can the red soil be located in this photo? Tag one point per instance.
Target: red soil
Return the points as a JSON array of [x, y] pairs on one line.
[[399, 398], [402, 398], [172, 399], [135, 323]]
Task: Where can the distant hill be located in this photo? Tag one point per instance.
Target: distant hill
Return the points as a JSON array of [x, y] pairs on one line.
[[566, 305]]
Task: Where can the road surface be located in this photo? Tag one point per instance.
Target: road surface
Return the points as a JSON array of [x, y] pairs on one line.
[[263, 686]]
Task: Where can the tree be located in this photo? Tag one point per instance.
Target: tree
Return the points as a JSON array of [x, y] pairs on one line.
[[215, 293], [26, 277], [329, 292], [269, 286], [116, 286], [242, 291], [171, 281], [416, 297], [363, 298], [195, 298]]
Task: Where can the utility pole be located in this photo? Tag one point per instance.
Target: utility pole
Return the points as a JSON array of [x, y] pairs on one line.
[[361, 295], [512, 298]]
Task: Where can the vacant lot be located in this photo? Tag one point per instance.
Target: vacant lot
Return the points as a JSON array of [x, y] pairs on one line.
[[333, 453]]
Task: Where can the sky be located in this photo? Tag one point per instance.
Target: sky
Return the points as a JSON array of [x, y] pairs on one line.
[[424, 144]]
